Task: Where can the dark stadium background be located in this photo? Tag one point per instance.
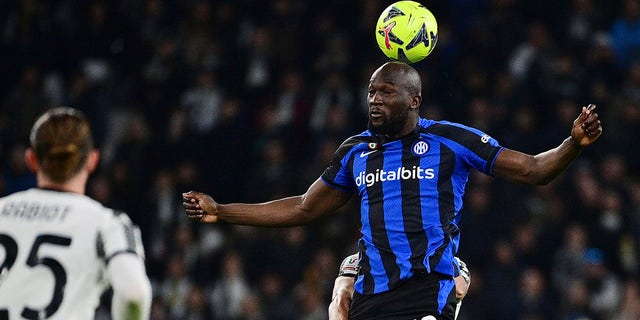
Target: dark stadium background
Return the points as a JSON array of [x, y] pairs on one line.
[[247, 100]]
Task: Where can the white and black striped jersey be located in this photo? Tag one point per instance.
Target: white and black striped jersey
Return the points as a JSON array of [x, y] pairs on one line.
[[54, 249]]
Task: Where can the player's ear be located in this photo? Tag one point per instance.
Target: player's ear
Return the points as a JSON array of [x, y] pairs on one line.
[[92, 160], [415, 101], [31, 160]]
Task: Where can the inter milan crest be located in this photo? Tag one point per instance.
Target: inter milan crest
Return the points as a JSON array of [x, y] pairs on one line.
[[419, 148]]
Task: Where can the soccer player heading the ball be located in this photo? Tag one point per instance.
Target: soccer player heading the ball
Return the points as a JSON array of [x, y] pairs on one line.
[[410, 175], [62, 249]]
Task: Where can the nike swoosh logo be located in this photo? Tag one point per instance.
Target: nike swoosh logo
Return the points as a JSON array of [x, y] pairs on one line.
[[364, 154]]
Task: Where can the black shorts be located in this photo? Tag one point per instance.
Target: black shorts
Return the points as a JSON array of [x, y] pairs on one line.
[[423, 295]]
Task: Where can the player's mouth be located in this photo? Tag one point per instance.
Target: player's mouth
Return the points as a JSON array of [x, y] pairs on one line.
[[375, 114]]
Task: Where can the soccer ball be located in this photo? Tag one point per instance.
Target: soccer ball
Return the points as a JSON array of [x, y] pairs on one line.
[[406, 31]]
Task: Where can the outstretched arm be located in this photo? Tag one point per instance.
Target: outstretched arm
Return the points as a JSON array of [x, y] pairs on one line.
[[319, 200], [544, 167]]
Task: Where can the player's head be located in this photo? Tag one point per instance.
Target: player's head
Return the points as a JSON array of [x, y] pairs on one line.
[[394, 99], [61, 143]]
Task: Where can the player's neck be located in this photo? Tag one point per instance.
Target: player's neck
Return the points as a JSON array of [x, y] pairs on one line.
[[77, 184], [408, 129]]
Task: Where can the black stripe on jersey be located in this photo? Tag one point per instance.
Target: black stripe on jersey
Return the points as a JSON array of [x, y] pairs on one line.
[[412, 209], [378, 227], [466, 138], [365, 268], [445, 199], [128, 229], [118, 253], [129, 234], [342, 151], [100, 246]]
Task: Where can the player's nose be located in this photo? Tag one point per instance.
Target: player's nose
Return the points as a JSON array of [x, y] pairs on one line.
[[374, 99]]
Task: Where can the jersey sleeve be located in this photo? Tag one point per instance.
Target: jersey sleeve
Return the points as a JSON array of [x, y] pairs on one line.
[[131, 288], [119, 235], [483, 152], [338, 175], [350, 266], [476, 148]]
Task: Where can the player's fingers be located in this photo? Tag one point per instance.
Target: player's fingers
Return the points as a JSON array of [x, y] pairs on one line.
[[593, 128], [191, 205], [190, 194], [586, 112], [585, 115], [193, 210], [194, 214]]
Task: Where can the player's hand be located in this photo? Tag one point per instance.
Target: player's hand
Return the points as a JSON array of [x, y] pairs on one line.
[[587, 127], [200, 207]]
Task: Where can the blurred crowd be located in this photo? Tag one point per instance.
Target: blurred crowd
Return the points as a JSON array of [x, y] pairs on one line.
[[247, 100]]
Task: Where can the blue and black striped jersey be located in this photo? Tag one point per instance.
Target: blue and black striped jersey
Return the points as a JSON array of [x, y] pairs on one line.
[[411, 193]]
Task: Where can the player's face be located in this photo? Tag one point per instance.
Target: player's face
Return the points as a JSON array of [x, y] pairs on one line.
[[389, 105]]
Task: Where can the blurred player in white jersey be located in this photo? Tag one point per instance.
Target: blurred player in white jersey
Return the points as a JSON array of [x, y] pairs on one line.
[[59, 249]]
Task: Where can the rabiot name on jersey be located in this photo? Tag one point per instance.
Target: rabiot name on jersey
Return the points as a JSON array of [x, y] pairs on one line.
[[34, 211]]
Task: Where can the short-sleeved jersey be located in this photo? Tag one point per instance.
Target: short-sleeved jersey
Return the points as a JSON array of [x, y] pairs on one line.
[[54, 248], [411, 192]]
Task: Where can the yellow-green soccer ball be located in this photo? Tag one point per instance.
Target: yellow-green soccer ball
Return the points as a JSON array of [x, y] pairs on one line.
[[406, 31]]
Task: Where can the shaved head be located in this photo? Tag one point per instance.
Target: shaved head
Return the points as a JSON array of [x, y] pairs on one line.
[[394, 97], [401, 74]]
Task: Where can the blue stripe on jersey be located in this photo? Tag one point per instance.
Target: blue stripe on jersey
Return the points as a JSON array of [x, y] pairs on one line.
[[394, 220], [377, 226], [365, 263], [480, 156], [448, 172], [412, 211], [373, 278], [411, 193], [446, 286], [338, 175]]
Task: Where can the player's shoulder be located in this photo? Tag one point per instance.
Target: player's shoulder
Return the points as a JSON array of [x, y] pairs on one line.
[[454, 131], [45, 200], [439, 125], [362, 141], [362, 137], [48, 196]]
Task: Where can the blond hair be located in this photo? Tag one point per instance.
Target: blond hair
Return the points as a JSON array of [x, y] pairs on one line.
[[61, 139]]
